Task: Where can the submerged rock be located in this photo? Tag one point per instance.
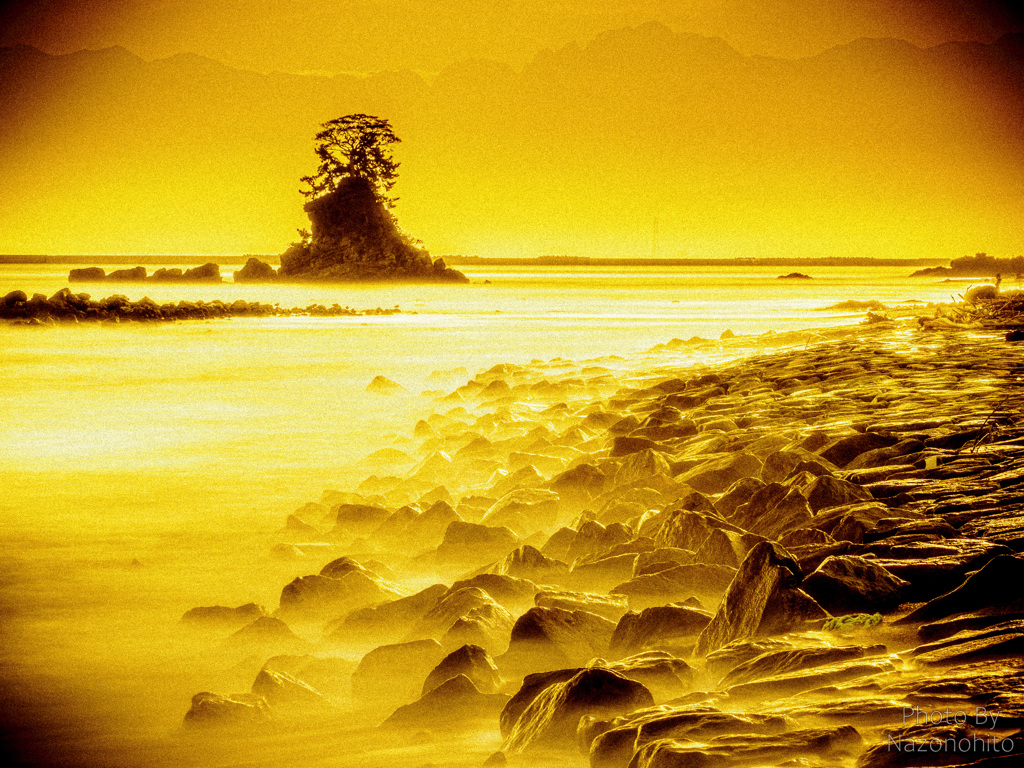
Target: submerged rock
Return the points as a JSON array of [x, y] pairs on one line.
[[238, 710]]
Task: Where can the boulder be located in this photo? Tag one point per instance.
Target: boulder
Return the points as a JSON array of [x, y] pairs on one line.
[[524, 511], [664, 675], [716, 474], [394, 674], [837, 746], [207, 273], [841, 452], [528, 562], [551, 638], [469, 660], [318, 596], [389, 620], [475, 543], [984, 589], [773, 510], [255, 271], [382, 385], [610, 606], [453, 704], [221, 616], [267, 635], [281, 689], [551, 719], [660, 626], [85, 275], [827, 491], [238, 710], [353, 520], [852, 584], [763, 599], [705, 582]]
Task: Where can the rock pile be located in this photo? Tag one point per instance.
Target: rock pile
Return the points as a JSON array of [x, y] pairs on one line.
[[807, 557], [65, 306], [207, 273]]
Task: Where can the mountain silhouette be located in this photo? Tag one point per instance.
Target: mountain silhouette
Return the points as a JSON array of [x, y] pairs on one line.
[[876, 147]]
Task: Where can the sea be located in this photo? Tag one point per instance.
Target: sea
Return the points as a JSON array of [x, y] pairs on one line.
[[145, 466]]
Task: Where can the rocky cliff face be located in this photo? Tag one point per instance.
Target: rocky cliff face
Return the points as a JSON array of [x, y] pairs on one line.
[[354, 237]]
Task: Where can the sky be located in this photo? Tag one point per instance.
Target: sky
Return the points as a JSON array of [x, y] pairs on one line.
[[334, 36], [511, 114]]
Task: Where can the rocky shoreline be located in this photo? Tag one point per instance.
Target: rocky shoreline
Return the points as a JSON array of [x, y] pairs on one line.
[[67, 307], [810, 556]]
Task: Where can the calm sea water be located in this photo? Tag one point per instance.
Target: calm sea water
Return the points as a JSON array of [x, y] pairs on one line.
[[181, 445]]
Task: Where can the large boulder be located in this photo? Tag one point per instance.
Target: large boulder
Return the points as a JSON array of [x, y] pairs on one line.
[[469, 660], [238, 710], [551, 719], [763, 599], [852, 584], [255, 271], [660, 626], [394, 674], [454, 703], [552, 638]]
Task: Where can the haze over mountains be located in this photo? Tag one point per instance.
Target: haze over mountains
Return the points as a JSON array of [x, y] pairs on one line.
[[875, 148]]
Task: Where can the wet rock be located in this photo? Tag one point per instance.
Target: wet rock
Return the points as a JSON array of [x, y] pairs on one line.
[[488, 626], [389, 620], [689, 522], [641, 465], [471, 661], [828, 491], [135, 274], [238, 710], [357, 519], [454, 703], [456, 605], [524, 511], [552, 638], [785, 661], [382, 385], [984, 589], [853, 584], [933, 568], [472, 542], [662, 626], [842, 452], [85, 275], [836, 745], [888, 455], [255, 271], [281, 689], [736, 494], [611, 607], [593, 538], [994, 642], [967, 744], [612, 743], [579, 484], [717, 474], [394, 674], [319, 596], [664, 675], [706, 582], [528, 563], [763, 599], [773, 511], [221, 616], [508, 591], [725, 548], [267, 635], [551, 719]]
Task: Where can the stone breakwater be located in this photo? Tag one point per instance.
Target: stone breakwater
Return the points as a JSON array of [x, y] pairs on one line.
[[67, 307], [810, 556]]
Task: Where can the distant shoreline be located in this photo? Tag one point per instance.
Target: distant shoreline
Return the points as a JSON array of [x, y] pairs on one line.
[[557, 261]]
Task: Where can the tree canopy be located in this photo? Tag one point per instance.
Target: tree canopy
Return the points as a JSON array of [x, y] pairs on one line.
[[356, 146]]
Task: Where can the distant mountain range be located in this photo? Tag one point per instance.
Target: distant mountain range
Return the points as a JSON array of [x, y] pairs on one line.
[[875, 148]]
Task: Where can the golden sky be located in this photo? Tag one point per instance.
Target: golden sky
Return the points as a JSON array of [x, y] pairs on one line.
[[529, 127], [370, 35]]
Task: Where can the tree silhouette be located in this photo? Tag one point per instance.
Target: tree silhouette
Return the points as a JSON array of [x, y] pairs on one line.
[[354, 146]]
